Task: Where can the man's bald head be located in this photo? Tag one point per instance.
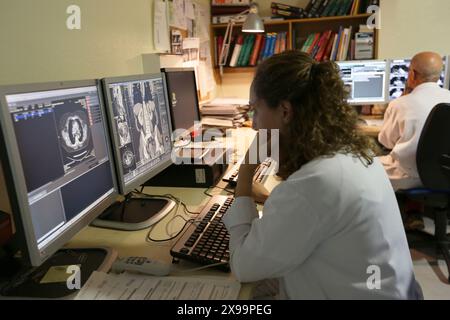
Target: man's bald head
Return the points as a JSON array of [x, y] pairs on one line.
[[428, 66]]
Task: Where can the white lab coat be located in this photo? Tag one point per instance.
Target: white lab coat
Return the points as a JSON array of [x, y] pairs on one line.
[[322, 234], [403, 124]]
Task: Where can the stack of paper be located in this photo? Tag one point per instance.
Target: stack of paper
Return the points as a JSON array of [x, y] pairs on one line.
[[128, 286], [225, 112]]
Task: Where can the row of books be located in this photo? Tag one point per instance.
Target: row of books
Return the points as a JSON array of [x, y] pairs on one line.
[[322, 8], [329, 45], [250, 49]]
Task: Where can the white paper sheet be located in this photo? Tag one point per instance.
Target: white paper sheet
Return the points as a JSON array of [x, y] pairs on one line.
[[189, 9], [177, 16], [161, 38], [127, 286]]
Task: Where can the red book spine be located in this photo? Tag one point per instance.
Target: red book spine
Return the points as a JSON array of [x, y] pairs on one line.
[[256, 49]]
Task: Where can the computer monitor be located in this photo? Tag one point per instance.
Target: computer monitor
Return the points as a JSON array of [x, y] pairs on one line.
[[183, 98], [365, 81], [139, 118], [399, 69], [57, 162]]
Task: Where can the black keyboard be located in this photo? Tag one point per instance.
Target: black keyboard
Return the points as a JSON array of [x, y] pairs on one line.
[[233, 174], [206, 242]]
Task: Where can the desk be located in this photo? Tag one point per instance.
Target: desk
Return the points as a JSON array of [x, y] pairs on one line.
[[135, 243]]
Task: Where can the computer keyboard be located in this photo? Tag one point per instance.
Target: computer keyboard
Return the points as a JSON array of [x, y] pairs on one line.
[[206, 242], [263, 169]]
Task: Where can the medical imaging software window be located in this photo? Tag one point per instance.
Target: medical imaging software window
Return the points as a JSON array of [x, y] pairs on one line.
[[62, 144], [399, 77], [364, 81], [142, 124]]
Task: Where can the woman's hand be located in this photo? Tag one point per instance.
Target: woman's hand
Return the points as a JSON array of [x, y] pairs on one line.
[[245, 180], [259, 193]]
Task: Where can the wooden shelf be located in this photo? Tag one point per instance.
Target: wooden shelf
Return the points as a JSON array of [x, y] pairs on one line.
[[297, 30], [237, 69], [300, 21]]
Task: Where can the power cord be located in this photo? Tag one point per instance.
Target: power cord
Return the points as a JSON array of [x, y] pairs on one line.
[[206, 192]]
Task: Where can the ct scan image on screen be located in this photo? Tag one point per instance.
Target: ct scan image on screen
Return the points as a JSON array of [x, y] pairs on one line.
[[142, 125]]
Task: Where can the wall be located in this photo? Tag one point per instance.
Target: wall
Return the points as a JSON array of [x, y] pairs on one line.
[[36, 46], [410, 26], [407, 27]]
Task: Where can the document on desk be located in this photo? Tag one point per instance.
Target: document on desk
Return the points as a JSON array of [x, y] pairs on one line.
[[128, 286]]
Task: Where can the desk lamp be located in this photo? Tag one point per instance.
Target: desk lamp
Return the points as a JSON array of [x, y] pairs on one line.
[[252, 24]]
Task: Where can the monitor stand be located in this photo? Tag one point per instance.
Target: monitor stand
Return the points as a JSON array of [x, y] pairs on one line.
[[134, 213], [51, 279]]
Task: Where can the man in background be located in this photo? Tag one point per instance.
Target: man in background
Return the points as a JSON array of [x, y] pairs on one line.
[[404, 120]]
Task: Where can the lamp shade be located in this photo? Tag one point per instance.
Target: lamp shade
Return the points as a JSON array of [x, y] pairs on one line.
[[253, 23]]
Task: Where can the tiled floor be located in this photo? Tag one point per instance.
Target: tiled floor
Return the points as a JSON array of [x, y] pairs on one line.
[[431, 273]]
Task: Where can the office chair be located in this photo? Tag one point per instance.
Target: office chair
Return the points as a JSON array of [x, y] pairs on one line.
[[433, 164]]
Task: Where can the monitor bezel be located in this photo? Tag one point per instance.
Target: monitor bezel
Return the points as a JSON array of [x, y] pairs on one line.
[[447, 72], [197, 101], [124, 189], [25, 237], [385, 84]]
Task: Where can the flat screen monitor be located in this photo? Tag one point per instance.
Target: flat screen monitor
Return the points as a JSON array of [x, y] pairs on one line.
[[56, 160], [139, 118], [183, 98], [399, 70], [365, 81]]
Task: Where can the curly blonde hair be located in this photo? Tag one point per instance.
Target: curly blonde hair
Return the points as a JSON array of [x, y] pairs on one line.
[[323, 123]]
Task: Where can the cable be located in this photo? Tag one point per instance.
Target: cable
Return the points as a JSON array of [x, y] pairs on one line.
[[216, 187], [149, 238], [171, 197]]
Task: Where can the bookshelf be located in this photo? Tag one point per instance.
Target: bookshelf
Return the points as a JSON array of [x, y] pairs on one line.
[[297, 31]]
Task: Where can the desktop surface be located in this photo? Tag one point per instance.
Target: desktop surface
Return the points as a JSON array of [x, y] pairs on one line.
[[136, 243]]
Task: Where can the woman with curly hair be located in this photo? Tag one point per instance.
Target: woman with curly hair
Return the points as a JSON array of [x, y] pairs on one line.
[[332, 229]]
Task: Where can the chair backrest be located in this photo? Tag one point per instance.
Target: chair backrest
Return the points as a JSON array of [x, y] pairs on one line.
[[433, 150]]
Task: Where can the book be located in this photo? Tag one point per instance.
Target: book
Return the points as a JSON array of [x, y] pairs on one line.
[[243, 50], [237, 51], [337, 45], [323, 47], [313, 44], [342, 7], [262, 49], [283, 44], [313, 13], [330, 45], [307, 43], [248, 51], [272, 44], [335, 9], [328, 9], [277, 43], [219, 46], [347, 43], [230, 51], [323, 7], [347, 9], [286, 7], [317, 45], [285, 13], [267, 46], [309, 7], [256, 49], [333, 48]]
